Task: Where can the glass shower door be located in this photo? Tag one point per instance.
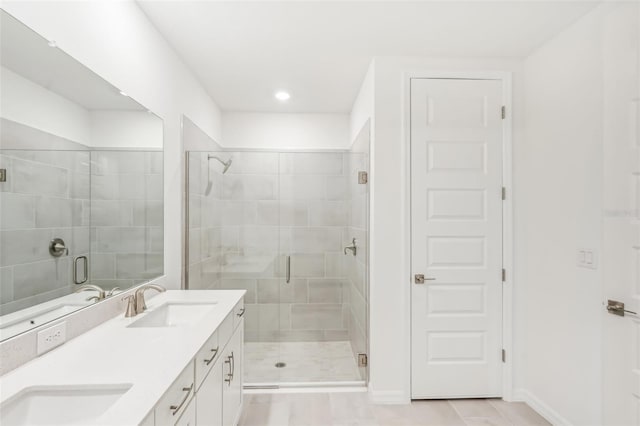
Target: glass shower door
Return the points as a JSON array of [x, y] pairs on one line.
[[252, 257], [315, 294], [234, 243]]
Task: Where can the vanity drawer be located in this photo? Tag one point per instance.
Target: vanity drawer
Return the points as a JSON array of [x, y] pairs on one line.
[[226, 330], [188, 418], [207, 357], [175, 400], [238, 313]]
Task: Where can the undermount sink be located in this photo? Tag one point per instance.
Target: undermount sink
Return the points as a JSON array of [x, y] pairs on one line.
[[60, 405], [174, 314]]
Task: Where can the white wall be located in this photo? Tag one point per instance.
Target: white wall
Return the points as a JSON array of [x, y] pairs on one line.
[[362, 109], [390, 255], [25, 102], [285, 131], [117, 129], [116, 40], [558, 207], [194, 139]]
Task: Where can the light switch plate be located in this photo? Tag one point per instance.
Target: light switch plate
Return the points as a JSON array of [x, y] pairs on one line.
[[587, 258], [51, 337]]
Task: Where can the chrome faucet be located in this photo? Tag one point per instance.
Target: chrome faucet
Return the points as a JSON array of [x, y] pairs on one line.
[[141, 306], [101, 293]]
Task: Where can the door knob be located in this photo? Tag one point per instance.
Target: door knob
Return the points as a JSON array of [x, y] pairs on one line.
[[420, 279]]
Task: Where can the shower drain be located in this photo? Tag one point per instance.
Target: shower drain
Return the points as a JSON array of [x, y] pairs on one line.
[[280, 365]]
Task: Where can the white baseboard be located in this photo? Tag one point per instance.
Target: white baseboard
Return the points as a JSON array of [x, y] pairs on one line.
[[542, 408], [388, 397]]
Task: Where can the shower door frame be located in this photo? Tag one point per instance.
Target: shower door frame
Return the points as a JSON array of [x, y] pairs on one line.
[[364, 381]]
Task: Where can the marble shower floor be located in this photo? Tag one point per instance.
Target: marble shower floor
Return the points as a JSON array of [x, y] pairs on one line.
[[305, 362]]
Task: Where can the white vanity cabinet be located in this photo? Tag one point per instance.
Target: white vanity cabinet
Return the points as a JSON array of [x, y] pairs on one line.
[[232, 373], [219, 398], [209, 390], [188, 417], [209, 398], [175, 401]]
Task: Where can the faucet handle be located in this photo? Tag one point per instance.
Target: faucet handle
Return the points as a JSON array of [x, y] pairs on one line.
[[131, 306], [113, 291]]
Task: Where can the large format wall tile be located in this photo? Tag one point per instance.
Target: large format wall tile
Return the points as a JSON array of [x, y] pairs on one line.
[[127, 217], [35, 178], [40, 277], [17, 211], [317, 317], [268, 207]]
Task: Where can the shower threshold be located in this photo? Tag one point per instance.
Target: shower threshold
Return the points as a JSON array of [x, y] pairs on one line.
[[354, 386]]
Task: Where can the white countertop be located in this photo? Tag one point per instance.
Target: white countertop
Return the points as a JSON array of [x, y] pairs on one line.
[[20, 321], [149, 359]]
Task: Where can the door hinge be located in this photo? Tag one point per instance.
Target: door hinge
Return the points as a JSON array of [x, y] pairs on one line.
[[504, 275], [504, 356], [363, 360], [3, 175], [504, 112], [504, 193], [363, 178]]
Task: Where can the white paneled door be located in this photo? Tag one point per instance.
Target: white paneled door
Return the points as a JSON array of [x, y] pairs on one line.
[[456, 238]]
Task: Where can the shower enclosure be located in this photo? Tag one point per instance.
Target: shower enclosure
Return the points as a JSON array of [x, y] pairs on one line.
[[282, 226]]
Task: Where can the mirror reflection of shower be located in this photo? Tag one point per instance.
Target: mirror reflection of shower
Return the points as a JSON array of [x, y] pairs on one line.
[[225, 164]]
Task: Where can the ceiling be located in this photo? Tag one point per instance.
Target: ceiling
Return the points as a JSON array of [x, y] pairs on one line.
[[242, 52], [26, 53]]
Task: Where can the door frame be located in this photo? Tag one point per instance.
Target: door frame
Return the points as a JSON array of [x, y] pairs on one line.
[[507, 210]]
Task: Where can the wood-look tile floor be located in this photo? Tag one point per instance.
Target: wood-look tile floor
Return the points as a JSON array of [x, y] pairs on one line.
[[354, 409]]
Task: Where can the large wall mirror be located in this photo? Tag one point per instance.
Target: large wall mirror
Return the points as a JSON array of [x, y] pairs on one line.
[[81, 184]]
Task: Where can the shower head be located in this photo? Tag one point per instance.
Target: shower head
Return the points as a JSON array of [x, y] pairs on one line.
[[226, 164]]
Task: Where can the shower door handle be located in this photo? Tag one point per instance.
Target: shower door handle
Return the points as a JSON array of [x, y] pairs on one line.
[[75, 270], [288, 269]]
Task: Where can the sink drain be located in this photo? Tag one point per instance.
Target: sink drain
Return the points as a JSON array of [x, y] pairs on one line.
[[280, 365]]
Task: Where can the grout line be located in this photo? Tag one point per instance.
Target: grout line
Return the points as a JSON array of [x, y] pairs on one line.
[[457, 412], [499, 411]]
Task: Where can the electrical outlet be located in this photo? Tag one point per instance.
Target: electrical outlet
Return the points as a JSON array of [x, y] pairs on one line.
[[51, 337]]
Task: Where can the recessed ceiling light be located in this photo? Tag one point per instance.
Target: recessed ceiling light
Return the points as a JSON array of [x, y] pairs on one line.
[[124, 94], [52, 43], [282, 96]]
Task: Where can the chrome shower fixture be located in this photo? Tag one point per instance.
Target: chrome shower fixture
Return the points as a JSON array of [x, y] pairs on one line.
[[226, 164]]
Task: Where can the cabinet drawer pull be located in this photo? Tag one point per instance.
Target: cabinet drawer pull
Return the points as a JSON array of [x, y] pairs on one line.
[[241, 313], [177, 408], [232, 367], [215, 352]]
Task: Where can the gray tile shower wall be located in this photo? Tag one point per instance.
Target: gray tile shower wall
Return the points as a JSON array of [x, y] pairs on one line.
[[126, 217], [276, 205], [46, 195], [205, 219]]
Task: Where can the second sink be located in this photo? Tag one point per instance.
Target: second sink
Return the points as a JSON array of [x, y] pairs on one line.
[[174, 314], [60, 405]]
